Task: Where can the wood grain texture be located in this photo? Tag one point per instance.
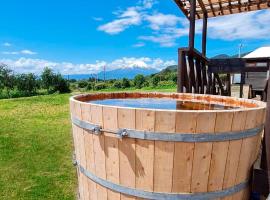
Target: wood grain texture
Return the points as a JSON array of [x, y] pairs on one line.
[[145, 120], [202, 153], [183, 154], [89, 152], [127, 151], [164, 152], [219, 152], [110, 121], [99, 151]]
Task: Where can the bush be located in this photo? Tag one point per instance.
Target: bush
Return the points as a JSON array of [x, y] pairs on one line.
[[100, 86], [82, 83], [117, 84], [166, 84], [125, 83], [139, 81], [90, 86], [60, 84]]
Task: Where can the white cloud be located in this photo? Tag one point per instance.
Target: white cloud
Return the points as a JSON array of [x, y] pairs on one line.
[[131, 16], [166, 29], [26, 65], [252, 25], [28, 52], [128, 18], [139, 44], [22, 52], [10, 52], [6, 44], [97, 18], [162, 20]]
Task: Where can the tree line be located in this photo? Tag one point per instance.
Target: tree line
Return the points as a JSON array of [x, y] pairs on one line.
[[28, 84], [14, 85], [167, 78]]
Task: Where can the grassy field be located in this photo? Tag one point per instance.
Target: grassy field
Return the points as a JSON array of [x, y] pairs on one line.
[[36, 148]]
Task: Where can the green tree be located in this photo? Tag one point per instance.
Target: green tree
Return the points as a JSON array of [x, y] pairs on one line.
[[125, 83], [47, 78], [139, 81], [7, 78], [27, 83], [155, 80], [60, 84]]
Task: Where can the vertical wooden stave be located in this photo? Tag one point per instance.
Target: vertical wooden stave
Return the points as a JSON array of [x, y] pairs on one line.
[[89, 151], [202, 152], [99, 152], [111, 149], [145, 120], [234, 149], [164, 152], [245, 162], [183, 153], [219, 152], [83, 186], [127, 151]]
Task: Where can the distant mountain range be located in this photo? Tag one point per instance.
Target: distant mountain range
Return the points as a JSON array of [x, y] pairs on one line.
[[129, 73]]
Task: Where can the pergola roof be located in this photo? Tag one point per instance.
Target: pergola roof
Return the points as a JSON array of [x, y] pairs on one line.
[[214, 8]]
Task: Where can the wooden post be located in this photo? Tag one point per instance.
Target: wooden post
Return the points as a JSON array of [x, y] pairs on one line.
[[204, 34], [229, 85], [192, 24], [267, 135], [243, 77]]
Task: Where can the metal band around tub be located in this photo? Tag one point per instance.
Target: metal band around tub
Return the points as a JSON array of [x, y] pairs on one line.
[[162, 196], [173, 137]]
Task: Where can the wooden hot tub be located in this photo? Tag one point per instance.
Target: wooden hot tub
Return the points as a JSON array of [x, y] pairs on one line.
[[141, 153]]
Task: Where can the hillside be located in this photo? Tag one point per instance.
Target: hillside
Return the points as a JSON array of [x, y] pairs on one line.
[[129, 73]]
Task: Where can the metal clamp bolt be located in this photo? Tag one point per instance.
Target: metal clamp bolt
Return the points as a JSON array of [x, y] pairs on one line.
[[122, 133]]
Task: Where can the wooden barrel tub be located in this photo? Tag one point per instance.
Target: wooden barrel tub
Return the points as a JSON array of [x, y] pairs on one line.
[[125, 153]]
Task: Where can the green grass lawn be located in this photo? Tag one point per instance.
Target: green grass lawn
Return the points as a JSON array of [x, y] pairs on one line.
[[36, 148]]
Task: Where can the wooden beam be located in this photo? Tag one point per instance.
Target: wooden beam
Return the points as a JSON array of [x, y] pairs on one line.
[[212, 9], [204, 35], [202, 6], [192, 24], [182, 7]]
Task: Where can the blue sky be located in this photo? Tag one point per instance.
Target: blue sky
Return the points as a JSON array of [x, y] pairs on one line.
[[82, 36]]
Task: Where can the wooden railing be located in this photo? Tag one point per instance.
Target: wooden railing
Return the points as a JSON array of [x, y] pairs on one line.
[[195, 76]]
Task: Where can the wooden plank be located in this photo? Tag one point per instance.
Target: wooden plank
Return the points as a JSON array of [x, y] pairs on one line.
[[127, 151], [238, 123], [111, 149], [183, 156], [202, 153], [164, 152], [219, 152], [244, 166], [145, 120], [83, 185], [192, 80], [99, 152], [89, 152]]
